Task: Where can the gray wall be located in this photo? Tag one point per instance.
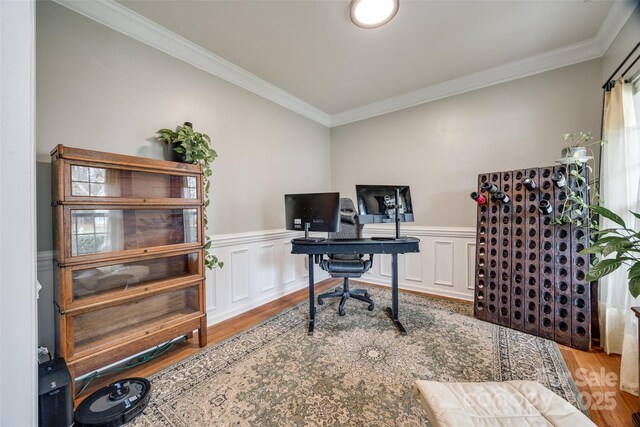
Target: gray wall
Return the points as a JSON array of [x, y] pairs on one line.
[[439, 148], [98, 89], [626, 39]]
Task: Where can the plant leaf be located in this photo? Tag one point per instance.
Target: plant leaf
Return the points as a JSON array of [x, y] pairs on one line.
[[604, 267], [592, 250], [609, 239], [607, 231], [601, 210], [634, 286], [617, 245], [634, 271]]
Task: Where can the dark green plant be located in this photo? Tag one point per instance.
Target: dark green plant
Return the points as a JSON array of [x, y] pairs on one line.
[[196, 148], [622, 242]]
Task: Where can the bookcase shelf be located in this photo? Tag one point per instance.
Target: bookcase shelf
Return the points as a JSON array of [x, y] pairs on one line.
[[128, 250]]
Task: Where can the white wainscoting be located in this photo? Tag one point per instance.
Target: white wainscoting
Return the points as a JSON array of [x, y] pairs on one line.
[[444, 266], [260, 268]]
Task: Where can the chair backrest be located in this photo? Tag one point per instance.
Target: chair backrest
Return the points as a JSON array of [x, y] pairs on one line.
[[350, 227]]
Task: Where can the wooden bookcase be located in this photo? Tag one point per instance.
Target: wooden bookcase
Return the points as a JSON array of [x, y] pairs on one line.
[[128, 255]]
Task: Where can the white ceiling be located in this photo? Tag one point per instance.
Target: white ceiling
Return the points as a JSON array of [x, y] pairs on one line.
[[307, 56]]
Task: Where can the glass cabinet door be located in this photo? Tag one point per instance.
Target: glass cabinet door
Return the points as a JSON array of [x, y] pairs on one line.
[[94, 280], [93, 181], [101, 327], [99, 231]]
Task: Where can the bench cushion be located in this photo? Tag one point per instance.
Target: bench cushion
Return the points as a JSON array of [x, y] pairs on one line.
[[509, 403]]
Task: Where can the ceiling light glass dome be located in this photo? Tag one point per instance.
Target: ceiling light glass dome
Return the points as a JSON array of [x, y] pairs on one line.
[[373, 13]]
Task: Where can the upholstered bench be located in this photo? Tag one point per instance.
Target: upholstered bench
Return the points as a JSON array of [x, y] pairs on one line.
[[509, 403]]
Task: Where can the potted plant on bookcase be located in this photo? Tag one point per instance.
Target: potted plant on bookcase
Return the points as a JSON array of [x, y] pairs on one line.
[[185, 145]]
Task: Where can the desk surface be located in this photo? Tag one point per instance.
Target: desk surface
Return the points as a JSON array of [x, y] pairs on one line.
[[355, 246]]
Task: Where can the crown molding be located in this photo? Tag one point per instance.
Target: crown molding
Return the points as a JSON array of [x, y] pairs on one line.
[[618, 15], [557, 58], [136, 26], [567, 55]]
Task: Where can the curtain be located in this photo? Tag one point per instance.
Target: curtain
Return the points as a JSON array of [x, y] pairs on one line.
[[620, 190]]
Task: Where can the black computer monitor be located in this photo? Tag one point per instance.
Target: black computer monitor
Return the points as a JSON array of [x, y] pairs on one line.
[[376, 203], [312, 212]]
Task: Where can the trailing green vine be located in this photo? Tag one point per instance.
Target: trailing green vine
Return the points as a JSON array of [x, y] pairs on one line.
[[196, 149], [610, 248], [575, 209]]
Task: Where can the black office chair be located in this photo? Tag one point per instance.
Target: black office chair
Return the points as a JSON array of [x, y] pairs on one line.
[[347, 265]]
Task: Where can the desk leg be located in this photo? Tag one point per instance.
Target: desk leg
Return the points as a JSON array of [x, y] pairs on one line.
[[392, 311], [312, 298]]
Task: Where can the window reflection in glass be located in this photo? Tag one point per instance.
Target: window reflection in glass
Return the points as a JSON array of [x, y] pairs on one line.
[[109, 230], [190, 190], [87, 181]]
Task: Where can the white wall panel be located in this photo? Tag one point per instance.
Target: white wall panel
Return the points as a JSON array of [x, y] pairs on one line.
[[443, 262], [413, 267], [384, 262], [471, 266], [267, 267], [239, 274], [289, 263], [444, 266]]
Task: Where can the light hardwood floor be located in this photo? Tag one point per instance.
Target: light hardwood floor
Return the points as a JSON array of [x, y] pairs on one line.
[[595, 372]]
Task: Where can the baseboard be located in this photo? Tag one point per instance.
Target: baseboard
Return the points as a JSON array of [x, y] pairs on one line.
[[214, 316], [421, 289]]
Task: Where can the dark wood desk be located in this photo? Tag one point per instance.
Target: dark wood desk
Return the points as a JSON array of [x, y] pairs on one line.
[[356, 246]]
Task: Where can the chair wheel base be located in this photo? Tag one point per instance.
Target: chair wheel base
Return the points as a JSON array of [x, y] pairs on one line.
[[342, 312], [370, 308], [320, 302]]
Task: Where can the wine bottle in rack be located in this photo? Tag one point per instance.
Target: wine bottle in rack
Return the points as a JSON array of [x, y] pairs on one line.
[[545, 207], [559, 179], [500, 197], [529, 184], [489, 188], [479, 198]]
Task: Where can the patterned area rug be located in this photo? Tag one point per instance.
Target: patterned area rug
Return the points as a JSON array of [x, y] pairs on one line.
[[356, 370]]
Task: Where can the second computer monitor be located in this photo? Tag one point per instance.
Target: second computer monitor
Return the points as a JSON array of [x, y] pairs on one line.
[[376, 203]]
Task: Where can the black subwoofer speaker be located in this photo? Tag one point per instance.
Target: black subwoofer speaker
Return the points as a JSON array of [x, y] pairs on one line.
[[55, 403]]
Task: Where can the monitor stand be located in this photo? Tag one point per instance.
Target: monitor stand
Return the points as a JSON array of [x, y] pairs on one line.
[[397, 221], [306, 235], [398, 236]]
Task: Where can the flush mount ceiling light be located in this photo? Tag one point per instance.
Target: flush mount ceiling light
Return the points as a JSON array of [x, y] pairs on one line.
[[373, 13]]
